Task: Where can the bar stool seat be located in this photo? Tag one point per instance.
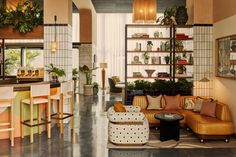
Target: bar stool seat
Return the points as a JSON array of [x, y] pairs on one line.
[[39, 95], [6, 101], [35, 101]]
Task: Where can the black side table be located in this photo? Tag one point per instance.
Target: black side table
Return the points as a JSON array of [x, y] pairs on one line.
[[169, 125]]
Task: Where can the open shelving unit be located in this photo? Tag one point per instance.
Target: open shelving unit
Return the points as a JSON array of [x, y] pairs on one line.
[[135, 46]]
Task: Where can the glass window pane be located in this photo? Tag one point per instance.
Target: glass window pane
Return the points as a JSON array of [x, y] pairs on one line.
[[12, 61], [34, 58]]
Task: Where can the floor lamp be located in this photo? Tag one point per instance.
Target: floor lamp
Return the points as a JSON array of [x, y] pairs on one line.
[[103, 66]]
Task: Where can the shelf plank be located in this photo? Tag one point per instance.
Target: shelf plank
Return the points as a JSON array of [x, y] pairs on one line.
[[148, 25], [145, 77], [153, 77], [183, 38], [157, 64], [152, 38], [159, 51]]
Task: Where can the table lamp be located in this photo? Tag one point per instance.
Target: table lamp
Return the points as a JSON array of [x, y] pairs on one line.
[[103, 66]]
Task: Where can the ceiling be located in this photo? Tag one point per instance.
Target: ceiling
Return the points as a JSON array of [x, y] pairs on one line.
[[125, 6]]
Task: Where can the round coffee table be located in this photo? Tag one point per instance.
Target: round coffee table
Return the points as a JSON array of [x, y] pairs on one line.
[[169, 125]]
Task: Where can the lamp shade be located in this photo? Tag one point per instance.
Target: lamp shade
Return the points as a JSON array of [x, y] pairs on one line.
[[144, 11], [53, 46], [204, 79], [103, 65]]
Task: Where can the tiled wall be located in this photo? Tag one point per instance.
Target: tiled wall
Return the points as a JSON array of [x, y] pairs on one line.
[[63, 56], [85, 58], [203, 60]]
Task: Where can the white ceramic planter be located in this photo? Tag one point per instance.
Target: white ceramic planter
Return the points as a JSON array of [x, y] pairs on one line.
[[88, 90]]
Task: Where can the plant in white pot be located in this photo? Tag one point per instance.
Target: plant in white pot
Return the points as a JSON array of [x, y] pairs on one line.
[[55, 73], [88, 87]]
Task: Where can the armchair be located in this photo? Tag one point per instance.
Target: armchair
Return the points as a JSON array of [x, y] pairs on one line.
[[127, 128], [113, 88]]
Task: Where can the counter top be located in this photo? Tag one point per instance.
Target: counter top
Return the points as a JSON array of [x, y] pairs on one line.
[[25, 86]]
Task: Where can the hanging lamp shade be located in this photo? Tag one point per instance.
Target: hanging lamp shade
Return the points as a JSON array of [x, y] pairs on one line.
[[144, 11]]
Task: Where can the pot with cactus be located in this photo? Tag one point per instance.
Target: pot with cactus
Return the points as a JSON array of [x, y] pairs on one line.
[[88, 87], [146, 57], [149, 45], [167, 59]]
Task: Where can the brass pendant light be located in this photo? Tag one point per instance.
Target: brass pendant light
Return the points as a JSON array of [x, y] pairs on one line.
[[144, 11], [54, 42]]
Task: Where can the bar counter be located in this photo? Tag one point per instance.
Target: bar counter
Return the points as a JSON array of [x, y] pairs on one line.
[[25, 86], [21, 91]]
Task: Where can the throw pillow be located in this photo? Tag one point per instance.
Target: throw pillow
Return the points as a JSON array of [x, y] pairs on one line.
[[198, 105], [172, 102], [188, 104], [208, 108], [116, 79], [154, 103], [118, 107]]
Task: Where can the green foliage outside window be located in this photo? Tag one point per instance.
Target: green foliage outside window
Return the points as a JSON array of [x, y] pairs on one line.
[[13, 59]]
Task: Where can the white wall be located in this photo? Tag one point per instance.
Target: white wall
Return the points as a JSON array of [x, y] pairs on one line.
[[225, 89]]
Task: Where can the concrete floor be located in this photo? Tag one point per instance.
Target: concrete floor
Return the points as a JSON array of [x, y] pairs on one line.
[[89, 138]]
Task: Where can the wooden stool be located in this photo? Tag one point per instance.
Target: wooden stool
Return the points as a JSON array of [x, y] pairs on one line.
[[6, 101], [65, 93], [39, 94]]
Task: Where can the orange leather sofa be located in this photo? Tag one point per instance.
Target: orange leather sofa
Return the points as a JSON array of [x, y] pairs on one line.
[[205, 127]]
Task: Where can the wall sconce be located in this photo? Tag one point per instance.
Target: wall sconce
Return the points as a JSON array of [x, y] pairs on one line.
[[54, 43], [144, 11]]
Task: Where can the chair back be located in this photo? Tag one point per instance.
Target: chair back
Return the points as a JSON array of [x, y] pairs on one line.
[[40, 90], [66, 87], [6, 93]]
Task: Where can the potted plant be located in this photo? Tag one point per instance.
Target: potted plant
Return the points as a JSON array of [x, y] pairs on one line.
[[167, 59], [179, 46], [146, 57], [55, 73], [149, 45], [168, 18], [95, 88], [181, 15], [180, 69], [88, 87]]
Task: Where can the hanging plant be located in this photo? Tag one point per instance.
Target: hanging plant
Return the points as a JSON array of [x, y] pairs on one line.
[[3, 15], [25, 16]]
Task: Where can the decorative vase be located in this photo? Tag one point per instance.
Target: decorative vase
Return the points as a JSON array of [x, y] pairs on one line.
[[154, 60], [181, 16], [146, 61], [149, 47], [167, 59], [149, 72]]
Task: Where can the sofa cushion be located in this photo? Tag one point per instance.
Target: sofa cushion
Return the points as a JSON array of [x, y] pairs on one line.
[[154, 103], [118, 107], [140, 101], [116, 79], [208, 108], [188, 103], [172, 102], [198, 105]]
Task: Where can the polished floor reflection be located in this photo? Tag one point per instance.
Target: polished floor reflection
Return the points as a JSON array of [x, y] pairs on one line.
[[89, 138]]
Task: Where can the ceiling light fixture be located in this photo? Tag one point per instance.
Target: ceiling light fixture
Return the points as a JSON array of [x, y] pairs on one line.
[[54, 42], [144, 11]]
